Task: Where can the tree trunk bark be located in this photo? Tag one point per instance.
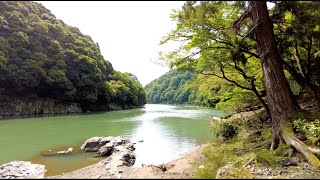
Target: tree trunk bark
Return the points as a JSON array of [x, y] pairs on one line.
[[283, 107], [279, 96]]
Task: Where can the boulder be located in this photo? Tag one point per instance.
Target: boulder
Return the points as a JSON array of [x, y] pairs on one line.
[[106, 150], [95, 143], [117, 148], [21, 170], [128, 158], [119, 141], [130, 147]]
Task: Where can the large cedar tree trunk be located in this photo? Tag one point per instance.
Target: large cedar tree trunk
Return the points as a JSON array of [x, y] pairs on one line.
[[283, 107], [279, 96]]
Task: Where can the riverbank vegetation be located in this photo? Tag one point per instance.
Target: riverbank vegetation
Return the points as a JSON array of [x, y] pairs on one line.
[[270, 53], [185, 87], [42, 57]]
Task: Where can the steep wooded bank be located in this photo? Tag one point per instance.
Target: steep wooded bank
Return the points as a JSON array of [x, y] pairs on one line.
[[43, 58]]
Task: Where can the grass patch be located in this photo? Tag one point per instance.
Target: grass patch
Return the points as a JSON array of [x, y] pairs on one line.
[[266, 158], [281, 150], [217, 155]]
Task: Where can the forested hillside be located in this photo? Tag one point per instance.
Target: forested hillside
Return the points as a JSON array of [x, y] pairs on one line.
[[42, 57], [185, 87], [170, 88]]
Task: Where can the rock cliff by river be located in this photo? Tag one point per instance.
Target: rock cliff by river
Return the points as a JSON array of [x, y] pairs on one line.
[[47, 106], [34, 106]]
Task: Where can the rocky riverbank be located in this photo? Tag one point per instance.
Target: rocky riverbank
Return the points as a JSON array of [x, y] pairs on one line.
[[30, 106], [36, 106], [21, 170], [183, 167]]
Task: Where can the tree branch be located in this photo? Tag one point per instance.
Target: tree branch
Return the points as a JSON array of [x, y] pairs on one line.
[[309, 59], [298, 59], [296, 76], [250, 31], [232, 81], [244, 16]]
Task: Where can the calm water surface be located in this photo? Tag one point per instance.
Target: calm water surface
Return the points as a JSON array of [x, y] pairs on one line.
[[166, 130]]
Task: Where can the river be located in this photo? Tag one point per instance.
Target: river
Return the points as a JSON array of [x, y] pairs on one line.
[[166, 130]]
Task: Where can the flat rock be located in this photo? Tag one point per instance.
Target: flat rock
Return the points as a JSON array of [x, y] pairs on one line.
[[21, 170]]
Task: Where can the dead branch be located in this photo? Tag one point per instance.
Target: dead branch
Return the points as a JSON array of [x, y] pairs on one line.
[[244, 16]]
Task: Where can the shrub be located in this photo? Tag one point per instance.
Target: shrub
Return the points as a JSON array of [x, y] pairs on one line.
[[310, 129], [226, 129]]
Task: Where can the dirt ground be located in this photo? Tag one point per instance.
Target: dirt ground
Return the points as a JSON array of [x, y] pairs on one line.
[[183, 167]]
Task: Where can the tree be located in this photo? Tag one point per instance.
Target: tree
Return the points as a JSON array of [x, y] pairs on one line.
[[209, 48], [283, 107]]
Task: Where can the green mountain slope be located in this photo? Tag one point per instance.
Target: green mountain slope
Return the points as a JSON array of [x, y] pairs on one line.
[[42, 57]]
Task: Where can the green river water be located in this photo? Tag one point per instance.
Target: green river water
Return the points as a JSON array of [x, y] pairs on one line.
[[166, 130]]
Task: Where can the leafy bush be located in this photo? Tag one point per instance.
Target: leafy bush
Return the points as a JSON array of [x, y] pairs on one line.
[[310, 129], [225, 129]]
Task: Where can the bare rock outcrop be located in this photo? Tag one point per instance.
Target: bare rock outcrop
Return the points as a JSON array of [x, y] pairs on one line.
[[21, 170], [118, 148]]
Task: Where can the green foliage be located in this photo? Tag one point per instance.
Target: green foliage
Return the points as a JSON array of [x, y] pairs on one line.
[[310, 129], [44, 57], [211, 49], [297, 33], [235, 98], [209, 46], [179, 87], [226, 129]]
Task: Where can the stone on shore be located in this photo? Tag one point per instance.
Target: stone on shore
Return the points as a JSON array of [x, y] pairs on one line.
[[120, 152], [95, 143], [106, 149], [21, 170]]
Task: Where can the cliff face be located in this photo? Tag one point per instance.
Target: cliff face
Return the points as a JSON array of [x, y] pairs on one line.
[[46, 106], [33, 106]]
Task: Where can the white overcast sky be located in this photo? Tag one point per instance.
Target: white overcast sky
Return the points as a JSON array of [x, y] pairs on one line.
[[128, 32]]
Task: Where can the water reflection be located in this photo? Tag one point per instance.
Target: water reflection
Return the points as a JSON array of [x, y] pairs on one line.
[[167, 131]]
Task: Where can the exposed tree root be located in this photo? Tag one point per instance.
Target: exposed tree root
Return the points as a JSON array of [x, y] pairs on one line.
[[248, 162], [263, 144], [308, 152], [314, 150]]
